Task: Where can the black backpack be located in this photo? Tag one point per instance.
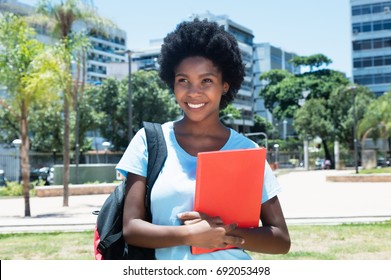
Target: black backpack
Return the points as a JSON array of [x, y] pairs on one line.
[[108, 240]]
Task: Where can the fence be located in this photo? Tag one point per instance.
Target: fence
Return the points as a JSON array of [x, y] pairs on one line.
[[10, 161]]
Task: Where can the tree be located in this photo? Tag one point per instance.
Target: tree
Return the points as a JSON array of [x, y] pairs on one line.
[[152, 101], [377, 119], [340, 105], [32, 74], [316, 60], [313, 120], [262, 125], [46, 119], [285, 93], [113, 111], [62, 16], [230, 111], [282, 93]]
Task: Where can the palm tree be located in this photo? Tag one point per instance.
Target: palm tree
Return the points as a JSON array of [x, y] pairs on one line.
[[32, 73], [62, 16], [377, 119]]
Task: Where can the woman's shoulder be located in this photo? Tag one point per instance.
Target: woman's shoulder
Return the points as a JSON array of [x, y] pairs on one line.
[[168, 126], [239, 141]]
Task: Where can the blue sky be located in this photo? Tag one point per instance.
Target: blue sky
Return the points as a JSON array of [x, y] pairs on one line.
[[304, 27]]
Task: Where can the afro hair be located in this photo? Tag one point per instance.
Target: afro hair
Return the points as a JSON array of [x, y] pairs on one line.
[[206, 39]]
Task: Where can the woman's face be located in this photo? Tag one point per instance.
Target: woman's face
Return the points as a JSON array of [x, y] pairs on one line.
[[198, 88]]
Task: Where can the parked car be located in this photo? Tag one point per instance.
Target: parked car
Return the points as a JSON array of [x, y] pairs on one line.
[[383, 162], [44, 173], [3, 182], [319, 163]]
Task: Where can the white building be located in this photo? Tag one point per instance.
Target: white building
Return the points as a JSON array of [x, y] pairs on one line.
[[371, 44], [268, 57]]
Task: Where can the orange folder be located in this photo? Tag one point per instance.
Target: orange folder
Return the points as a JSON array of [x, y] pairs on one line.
[[229, 184]]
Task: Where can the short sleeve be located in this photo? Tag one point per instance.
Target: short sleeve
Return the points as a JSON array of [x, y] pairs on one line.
[[135, 158], [271, 187]]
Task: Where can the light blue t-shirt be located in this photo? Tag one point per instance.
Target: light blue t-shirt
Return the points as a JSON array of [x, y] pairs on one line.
[[174, 189]]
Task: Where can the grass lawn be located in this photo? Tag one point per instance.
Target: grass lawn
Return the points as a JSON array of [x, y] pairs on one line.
[[384, 170], [309, 242]]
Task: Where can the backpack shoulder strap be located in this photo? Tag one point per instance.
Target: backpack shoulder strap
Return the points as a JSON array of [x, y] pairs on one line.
[[157, 153]]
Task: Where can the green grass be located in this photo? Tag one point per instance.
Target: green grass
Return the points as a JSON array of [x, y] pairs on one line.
[[383, 170], [47, 246], [337, 242], [309, 242]]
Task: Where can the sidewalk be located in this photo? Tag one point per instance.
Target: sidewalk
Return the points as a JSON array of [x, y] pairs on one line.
[[306, 199]]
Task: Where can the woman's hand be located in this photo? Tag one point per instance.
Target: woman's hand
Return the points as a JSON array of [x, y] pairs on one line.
[[208, 232]]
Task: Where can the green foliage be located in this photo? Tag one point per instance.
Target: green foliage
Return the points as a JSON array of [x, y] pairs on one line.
[[282, 93], [111, 104], [289, 144], [30, 70], [341, 106], [151, 101], [230, 112], [317, 100], [262, 125], [14, 189], [316, 60], [46, 129], [377, 119], [313, 119]]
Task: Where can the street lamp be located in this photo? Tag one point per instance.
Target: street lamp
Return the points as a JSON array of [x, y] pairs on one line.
[[276, 157], [17, 143], [242, 111], [106, 146], [259, 133], [228, 116], [353, 89], [130, 112]]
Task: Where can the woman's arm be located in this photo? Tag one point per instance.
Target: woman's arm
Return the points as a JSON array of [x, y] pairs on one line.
[[272, 237], [207, 233]]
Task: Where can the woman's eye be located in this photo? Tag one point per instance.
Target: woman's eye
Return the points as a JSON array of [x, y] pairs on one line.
[[207, 81], [182, 81]]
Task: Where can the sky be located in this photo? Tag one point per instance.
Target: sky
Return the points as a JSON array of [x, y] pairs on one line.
[[304, 27]]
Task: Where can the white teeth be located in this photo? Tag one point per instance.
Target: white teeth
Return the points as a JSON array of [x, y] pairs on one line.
[[195, 106]]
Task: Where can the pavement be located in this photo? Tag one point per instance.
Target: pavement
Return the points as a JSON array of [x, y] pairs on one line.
[[307, 198]]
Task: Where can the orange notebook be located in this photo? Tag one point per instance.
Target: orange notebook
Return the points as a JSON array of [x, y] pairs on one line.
[[229, 184]]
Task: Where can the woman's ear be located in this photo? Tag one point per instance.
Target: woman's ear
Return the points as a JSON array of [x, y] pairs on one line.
[[225, 87]]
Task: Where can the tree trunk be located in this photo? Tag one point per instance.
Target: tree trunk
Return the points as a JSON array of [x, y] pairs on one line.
[[66, 151], [327, 153], [25, 162], [76, 102], [76, 108]]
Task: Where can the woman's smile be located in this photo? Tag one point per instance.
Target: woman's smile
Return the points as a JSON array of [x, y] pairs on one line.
[[195, 105]]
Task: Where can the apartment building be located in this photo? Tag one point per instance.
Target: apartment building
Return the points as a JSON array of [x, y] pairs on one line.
[[104, 46], [267, 57], [371, 44]]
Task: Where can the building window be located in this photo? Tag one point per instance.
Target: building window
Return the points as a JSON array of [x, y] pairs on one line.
[[374, 8], [371, 44]]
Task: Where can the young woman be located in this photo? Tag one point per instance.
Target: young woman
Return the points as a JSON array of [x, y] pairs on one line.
[[201, 63]]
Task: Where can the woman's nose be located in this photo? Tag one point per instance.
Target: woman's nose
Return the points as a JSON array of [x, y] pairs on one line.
[[195, 89]]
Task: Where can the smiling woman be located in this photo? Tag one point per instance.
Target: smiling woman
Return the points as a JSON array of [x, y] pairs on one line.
[[201, 63], [199, 88]]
